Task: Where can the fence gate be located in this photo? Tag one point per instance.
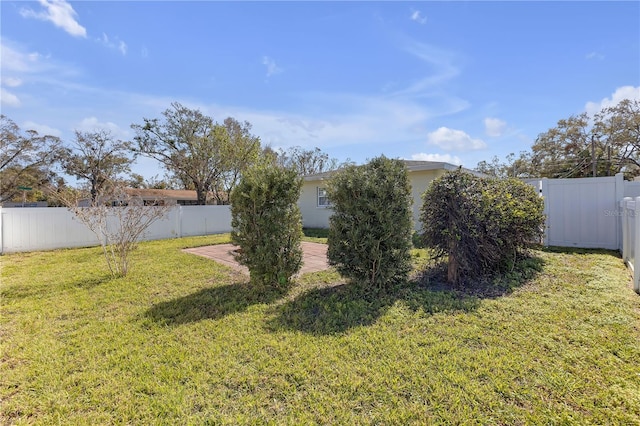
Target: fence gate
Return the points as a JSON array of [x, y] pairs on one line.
[[583, 212]]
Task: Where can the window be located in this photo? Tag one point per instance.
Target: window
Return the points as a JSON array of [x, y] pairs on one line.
[[323, 200]]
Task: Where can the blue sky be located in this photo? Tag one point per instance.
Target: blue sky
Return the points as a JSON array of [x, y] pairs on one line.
[[444, 81]]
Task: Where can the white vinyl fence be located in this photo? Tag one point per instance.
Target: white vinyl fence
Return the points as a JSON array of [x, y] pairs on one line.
[[593, 213], [584, 212], [630, 218], [28, 229]]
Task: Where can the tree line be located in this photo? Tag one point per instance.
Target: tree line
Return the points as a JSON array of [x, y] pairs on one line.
[[583, 145], [196, 152]]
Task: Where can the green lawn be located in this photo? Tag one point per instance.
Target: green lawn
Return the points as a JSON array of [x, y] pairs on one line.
[[182, 340]]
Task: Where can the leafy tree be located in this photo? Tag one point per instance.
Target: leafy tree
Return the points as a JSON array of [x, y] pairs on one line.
[[196, 150], [138, 181], [98, 158], [581, 146], [566, 150], [306, 161], [239, 150], [26, 159], [267, 224], [371, 227], [620, 127], [480, 224]]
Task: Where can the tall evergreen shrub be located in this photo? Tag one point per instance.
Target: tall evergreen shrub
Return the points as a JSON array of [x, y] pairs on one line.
[[371, 226], [481, 224], [267, 224]]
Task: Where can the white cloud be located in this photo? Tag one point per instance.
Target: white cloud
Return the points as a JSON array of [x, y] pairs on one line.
[[441, 63], [8, 99], [11, 81], [595, 55], [18, 66], [454, 140], [446, 158], [60, 13], [494, 126], [14, 60], [272, 68], [416, 16], [624, 92], [42, 129], [90, 124], [113, 44]]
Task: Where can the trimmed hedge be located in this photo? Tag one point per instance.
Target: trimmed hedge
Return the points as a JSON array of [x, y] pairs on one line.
[[481, 224], [267, 224], [371, 226]]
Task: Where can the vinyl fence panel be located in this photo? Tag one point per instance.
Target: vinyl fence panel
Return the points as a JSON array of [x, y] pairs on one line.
[[583, 212], [30, 229]]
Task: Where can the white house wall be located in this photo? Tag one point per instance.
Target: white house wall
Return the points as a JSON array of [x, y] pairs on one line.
[[318, 217], [312, 215]]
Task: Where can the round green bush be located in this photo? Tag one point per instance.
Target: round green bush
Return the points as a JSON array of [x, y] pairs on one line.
[[480, 224]]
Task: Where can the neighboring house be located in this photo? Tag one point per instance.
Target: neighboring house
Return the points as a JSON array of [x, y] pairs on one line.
[[25, 204], [315, 206], [169, 197]]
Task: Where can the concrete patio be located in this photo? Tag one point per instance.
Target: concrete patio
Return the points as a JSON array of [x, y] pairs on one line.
[[314, 256]]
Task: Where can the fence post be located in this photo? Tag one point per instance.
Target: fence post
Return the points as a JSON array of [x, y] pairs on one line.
[[636, 252], [1, 238], [544, 192], [179, 221], [619, 197], [624, 221]]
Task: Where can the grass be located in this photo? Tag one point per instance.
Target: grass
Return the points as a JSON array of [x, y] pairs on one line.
[[182, 340]]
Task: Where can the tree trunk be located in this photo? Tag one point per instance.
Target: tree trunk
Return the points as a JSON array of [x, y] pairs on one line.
[[453, 273], [202, 195]]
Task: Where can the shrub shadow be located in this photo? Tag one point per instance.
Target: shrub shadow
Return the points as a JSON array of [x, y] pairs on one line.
[[23, 291], [523, 271], [211, 303], [335, 309], [577, 250], [91, 282]]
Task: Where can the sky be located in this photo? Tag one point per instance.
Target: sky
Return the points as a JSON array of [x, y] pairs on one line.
[[450, 81]]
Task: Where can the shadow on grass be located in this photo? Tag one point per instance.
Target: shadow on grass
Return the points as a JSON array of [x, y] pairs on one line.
[[338, 308], [576, 250], [23, 291], [524, 270], [211, 303], [91, 282]]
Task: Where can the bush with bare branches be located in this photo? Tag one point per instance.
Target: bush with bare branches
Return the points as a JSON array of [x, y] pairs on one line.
[[118, 221]]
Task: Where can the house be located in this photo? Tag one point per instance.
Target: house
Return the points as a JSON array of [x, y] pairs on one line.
[[180, 197], [316, 207]]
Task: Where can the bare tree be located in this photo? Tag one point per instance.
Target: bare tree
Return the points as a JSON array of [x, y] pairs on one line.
[[97, 157], [306, 161], [118, 220]]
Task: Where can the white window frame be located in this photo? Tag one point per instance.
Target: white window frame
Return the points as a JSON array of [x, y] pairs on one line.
[[321, 195]]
